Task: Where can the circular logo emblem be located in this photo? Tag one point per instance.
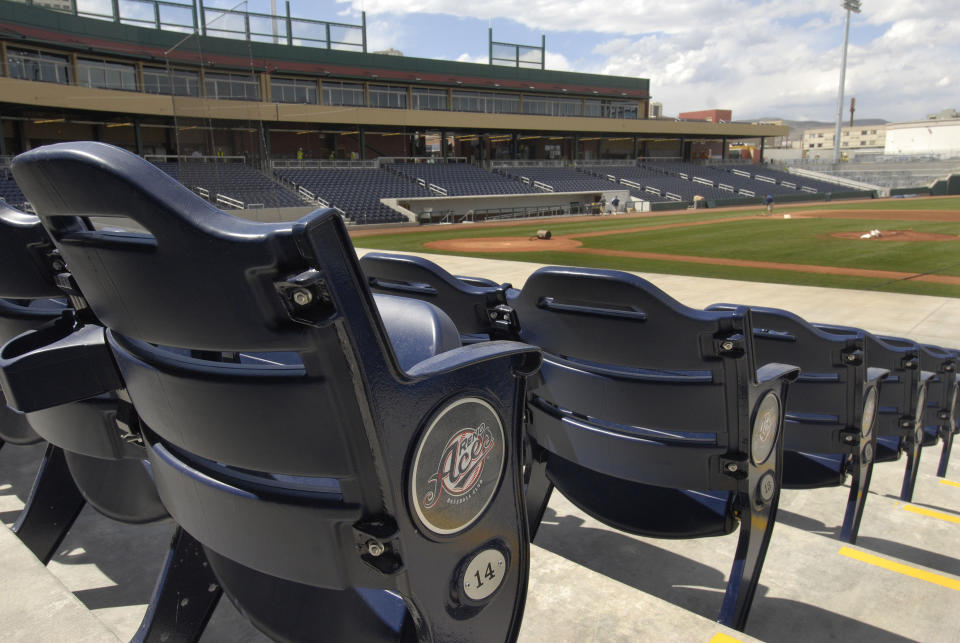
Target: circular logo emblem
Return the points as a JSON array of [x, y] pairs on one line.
[[457, 465], [869, 412], [765, 425]]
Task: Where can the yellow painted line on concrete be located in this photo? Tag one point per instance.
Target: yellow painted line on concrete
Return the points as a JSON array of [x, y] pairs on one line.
[[949, 482], [720, 637], [900, 568], [930, 513]]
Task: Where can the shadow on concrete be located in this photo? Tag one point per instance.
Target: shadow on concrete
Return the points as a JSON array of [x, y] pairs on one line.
[[906, 553], [694, 586]]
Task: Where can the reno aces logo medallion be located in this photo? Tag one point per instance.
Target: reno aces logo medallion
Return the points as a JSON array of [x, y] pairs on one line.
[[457, 465]]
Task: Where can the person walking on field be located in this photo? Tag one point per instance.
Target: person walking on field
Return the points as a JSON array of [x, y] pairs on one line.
[[769, 202]]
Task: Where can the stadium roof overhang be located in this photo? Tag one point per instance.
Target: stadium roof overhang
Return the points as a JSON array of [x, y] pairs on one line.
[[33, 95]]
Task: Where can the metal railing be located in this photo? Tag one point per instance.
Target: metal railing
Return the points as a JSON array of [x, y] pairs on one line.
[[230, 202], [194, 17], [316, 164]]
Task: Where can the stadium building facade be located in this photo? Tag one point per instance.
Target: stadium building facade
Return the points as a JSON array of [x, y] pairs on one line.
[[182, 79]]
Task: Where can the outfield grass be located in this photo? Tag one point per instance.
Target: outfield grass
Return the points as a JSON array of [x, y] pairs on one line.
[[802, 241]]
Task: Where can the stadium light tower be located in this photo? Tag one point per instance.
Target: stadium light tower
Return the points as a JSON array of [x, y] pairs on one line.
[[854, 6]]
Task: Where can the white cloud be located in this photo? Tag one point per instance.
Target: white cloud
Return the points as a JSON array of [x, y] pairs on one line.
[[767, 58]]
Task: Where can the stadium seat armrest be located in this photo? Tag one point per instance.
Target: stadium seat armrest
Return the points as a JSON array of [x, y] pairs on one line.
[[774, 371], [56, 365], [529, 358]]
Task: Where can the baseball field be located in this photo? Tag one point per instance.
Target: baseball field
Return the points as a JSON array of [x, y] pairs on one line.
[[917, 250]]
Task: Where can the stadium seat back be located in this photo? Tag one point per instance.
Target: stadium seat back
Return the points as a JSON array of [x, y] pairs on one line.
[[829, 429], [374, 475]]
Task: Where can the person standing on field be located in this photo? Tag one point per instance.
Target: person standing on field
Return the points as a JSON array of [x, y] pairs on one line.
[[769, 202]]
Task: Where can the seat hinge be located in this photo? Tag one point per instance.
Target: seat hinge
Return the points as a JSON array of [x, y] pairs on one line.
[[377, 540], [503, 321], [735, 465], [852, 357], [307, 298]]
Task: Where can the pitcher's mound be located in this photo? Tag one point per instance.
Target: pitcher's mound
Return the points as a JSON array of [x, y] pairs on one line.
[[899, 235], [504, 244]]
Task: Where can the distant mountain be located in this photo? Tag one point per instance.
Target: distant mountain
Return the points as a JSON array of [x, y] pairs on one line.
[[817, 124]]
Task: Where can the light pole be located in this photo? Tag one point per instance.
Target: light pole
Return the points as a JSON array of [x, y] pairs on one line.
[[854, 6]]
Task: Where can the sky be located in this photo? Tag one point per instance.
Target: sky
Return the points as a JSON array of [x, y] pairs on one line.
[[760, 58]]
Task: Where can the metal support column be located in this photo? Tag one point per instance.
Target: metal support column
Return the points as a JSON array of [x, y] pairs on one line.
[[137, 136], [723, 148], [363, 143]]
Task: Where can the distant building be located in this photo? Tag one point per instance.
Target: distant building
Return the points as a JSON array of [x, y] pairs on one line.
[[858, 137], [937, 137], [390, 52], [944, 114], [655, 110], [709, 115]]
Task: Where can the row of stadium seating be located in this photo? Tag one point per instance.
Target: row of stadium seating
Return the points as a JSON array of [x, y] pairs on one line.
[[461, 179], [234, 180], [9, 190], [356, 192], [344, 467]]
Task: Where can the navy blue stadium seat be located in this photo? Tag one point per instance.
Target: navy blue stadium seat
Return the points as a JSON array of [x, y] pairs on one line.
[[347, 481], [939, 414], [829, 429], [29, 298], [649, 416], [903, 395], [91, 456]]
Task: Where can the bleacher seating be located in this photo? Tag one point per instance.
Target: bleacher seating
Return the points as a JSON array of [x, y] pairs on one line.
[[357, 192], [627, 416], [829, 430], [234, 180], [329, 525], [90, 457], [903, 395], [562, 179], [9, 190], [461, 179], [800, 181], [939, 421]]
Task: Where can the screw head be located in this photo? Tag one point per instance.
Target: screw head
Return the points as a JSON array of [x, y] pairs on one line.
[[851, 358], [59, 265], [493, 314], [302, 296], [733, 467], [848, 438], [374, 548], [727, 346]]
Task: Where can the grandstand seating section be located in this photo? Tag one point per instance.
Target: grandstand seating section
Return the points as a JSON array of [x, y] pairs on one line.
[[9, 190], [357, 192], [461, 179], [233, 180], [780, 177], [561, 179]]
